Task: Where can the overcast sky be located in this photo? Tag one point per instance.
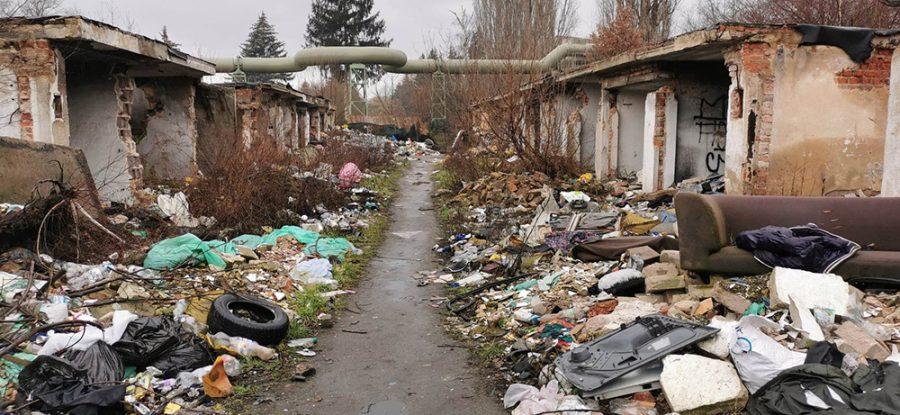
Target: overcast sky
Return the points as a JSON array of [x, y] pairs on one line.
[[218, 27]]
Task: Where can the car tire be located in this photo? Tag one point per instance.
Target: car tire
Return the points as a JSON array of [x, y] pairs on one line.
[[252, 318]]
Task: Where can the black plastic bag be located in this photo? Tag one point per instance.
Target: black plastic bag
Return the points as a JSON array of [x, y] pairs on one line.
[[146, 339], [162, 343], [58, 386], [100, 362]]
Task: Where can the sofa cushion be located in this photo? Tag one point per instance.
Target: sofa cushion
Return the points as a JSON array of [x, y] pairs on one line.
[[861, 266], [871, 264], [734, 260]]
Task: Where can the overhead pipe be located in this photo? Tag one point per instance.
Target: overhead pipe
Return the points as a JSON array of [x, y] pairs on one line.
[[395, 61], [491, 66]]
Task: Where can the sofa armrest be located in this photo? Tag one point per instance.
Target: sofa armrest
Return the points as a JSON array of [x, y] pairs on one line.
[[701, 230]]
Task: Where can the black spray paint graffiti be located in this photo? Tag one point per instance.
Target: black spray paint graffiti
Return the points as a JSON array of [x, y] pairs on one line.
[[712, 124]]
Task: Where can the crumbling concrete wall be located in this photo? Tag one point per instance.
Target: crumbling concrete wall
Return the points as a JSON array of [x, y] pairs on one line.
[[217, 126], [163, 123], [829, 122], [23, 164], [702, 92], [33, 104], [100, 112]]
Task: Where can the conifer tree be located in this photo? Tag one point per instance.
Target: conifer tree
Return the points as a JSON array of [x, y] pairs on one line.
[[263, 43], [345, 23]]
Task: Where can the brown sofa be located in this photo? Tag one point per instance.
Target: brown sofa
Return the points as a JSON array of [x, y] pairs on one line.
[[707, 226]]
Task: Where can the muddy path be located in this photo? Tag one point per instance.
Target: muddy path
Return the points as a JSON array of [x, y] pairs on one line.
[[388, 353]]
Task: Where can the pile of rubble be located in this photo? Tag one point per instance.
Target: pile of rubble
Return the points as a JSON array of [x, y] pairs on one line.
[[585, 295], [164, 327]]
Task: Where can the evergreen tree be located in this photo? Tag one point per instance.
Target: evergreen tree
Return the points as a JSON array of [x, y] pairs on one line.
[[345, 23], [164, 36], [263, 43]]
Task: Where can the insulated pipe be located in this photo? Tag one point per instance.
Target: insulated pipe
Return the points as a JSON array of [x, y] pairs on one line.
[[490, 66], [328, 55], [395, 61]]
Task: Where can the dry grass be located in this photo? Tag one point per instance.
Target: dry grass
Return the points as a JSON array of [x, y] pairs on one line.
[[248, 188], [366, 157]]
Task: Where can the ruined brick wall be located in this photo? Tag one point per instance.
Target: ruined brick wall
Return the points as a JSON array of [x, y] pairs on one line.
[[871, 74], [268, 115], [124, 91], [32, 92], [809, 121]]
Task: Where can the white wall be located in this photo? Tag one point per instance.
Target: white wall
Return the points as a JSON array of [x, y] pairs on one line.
[[92, 110], [630, 106], [890, 181]]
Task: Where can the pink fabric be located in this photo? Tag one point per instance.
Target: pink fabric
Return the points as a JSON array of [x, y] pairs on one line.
[[349, 175]]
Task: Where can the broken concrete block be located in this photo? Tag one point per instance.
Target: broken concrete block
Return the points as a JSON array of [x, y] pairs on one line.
[[657, 298], [808, 288], [662, 277], [703, 307], [670, 257], [700, 292], [646, 253], [730, 300], [677, 296], [246, 252], [719, 345], [699, 385], [856, 340]]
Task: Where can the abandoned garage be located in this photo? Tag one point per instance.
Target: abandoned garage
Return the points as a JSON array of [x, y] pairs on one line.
[[742, 101]]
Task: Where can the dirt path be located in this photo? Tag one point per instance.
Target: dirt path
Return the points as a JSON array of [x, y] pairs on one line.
[[393, 357]]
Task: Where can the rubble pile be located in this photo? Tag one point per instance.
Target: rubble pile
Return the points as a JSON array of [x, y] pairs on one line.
[[167, 324], [584, 294]]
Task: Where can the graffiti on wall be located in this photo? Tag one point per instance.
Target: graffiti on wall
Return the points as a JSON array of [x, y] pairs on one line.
[[712, 123]]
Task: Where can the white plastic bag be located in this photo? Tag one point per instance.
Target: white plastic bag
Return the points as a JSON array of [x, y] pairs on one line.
[[757, 357], [313, 272], [86, 338]]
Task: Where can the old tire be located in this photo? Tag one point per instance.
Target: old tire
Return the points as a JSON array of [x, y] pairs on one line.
[[248, 317]]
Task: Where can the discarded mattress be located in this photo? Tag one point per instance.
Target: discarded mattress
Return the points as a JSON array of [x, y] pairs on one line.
[[809, 247], [642, 342]]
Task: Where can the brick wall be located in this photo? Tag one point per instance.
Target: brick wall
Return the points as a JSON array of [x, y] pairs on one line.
[[756, 61], [659, 133], [28, 59], [873, 73]]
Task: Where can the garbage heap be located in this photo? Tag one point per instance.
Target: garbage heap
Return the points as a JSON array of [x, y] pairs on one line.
[[163, 325], [583, 293]]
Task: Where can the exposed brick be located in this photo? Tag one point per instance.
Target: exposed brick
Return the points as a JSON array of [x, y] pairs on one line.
[[874, 72]]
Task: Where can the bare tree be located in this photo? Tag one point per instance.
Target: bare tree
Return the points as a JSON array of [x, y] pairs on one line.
[[29, 8], [653, 18], [523, 29], [861, 13]]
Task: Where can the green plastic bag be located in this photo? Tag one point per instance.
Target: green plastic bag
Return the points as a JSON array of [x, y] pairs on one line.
[[329, 247], [170, 253]]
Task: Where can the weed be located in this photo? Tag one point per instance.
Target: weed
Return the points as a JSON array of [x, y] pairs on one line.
[[490, 351], [308, 304]]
